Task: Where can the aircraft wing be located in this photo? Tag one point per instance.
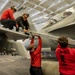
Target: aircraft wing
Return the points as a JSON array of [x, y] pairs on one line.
[[11, 34], [52, 36], [67, 31]]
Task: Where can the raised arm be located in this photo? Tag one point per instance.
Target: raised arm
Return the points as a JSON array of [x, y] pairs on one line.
[[38, 49], [39, 42], [32, 40]]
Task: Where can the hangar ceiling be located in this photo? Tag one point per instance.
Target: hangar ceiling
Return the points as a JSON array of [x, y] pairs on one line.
[[39, 10]]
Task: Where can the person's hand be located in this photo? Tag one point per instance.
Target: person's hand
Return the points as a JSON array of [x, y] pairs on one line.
[[16, 25], [25, 30], [32, 34]]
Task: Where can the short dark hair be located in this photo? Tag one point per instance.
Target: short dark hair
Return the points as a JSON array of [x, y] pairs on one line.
[[30, 47], [63, 41], [14, 8], [26, 14]]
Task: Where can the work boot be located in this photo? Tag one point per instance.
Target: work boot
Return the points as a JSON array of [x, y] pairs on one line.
[[17, 29]]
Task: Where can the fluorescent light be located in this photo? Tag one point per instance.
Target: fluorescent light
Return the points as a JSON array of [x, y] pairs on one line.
[[35, 14], [45, 17], [4, 5], [70, 9], [40, 0]]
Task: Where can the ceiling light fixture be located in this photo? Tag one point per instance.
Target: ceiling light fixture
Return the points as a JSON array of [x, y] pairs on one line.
[[46, 17], [40, 0], [4, 5]]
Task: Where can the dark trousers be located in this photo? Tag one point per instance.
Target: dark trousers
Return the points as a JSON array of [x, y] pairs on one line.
[[8, 23], [23, 27], [35, 70], [61, 74]]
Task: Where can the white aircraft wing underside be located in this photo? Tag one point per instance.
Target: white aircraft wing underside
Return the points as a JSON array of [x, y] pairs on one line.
[[68, 31]]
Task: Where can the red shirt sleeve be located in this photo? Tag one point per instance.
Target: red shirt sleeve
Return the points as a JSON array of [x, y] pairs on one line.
[[11, 14], [32, 40], [38, 49]]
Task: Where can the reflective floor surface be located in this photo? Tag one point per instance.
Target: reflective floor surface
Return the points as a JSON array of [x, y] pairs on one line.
[[18, 65]]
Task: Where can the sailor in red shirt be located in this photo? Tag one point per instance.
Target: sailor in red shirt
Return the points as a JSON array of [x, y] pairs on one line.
[[35, 54], [7, 18], [66, 57]]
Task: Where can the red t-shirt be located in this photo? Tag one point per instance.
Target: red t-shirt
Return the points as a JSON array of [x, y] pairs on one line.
[[66, 59], [36, 54], [7, 14]]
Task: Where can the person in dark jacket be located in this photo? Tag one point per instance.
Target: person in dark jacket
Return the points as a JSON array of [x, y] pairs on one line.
[[35, 53], [7, 18], [22, 22], [66, 57]]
